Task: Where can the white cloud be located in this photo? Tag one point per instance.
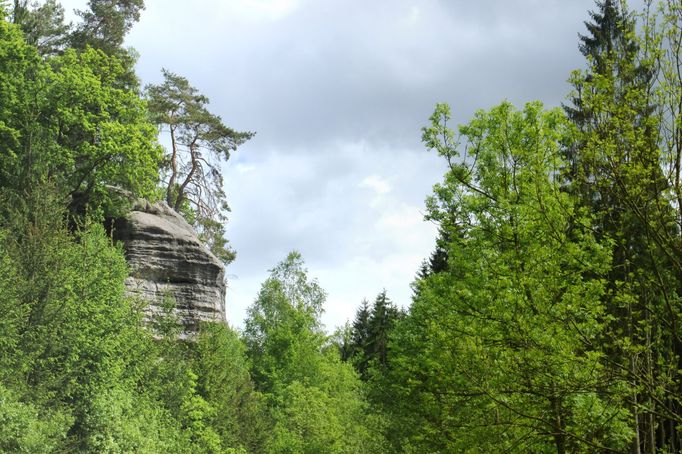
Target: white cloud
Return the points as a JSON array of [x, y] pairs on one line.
[[404, 217], [255, 11], [379, 185], [413, 15]]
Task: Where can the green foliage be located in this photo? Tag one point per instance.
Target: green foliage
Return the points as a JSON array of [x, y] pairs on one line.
[[546, 320], [622, 170], [68, 120], [315, 400], [498, 350], [23, 429], [43, 25], [367, 347], [240, 417], [70, 348], [283, 334], [105, 24], [199, 143]]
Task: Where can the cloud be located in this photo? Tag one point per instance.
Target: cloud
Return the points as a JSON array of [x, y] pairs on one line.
[[377, 184], [255, 11], [244, 168], [414, 15], [338, 91]]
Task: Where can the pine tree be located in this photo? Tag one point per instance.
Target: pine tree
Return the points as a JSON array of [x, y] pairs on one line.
[[359, 336], [106, 23], [43, 25], [200, 141]]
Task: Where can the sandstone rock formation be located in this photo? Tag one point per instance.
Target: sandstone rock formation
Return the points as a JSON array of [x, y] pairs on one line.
[[167, 259]]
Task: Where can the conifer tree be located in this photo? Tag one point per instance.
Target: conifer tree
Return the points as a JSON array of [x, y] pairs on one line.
[[615, 171], [106, 23], [381, 321], [200, 141], [43, 25]]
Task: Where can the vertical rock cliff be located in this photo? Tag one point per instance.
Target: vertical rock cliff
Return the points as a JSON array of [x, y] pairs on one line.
[[167, 259]]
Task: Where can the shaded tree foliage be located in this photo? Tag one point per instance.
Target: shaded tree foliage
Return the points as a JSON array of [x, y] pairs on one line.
[[105, 24], [43, 25], [368, 343], [617, 170]]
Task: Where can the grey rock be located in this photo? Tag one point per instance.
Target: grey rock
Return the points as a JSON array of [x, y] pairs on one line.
[[167, 259]]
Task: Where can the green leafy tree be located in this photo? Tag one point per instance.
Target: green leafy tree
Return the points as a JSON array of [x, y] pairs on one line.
[[316, 401], [500, 351], [25, 428], [240, 418], [199, 143], [72, 344], [67, 121], [283, 333]]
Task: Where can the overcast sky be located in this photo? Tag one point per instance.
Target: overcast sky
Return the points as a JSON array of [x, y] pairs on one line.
[[337, 92]]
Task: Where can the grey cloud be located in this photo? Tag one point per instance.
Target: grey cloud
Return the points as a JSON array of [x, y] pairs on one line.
[[332, 69], [337, 91]]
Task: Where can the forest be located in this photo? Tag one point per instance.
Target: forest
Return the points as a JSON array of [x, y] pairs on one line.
[[547, 319]]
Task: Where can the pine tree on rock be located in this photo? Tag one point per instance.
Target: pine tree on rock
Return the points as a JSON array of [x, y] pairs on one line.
[[200, 141]]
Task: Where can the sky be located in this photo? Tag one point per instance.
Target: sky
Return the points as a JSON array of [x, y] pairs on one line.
[[337, 92]]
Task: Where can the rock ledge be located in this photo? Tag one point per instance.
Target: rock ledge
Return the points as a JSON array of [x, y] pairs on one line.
[[167, 259]]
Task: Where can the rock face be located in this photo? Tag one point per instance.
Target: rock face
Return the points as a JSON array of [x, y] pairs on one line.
[[168, 260]]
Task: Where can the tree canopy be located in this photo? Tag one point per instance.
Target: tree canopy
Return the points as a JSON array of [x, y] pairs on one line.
[[547, 318]]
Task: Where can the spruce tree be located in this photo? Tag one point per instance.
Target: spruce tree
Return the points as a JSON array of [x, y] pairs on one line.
[[614, 170]]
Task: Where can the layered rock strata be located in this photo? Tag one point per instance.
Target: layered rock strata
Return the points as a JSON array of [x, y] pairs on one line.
[[167, 259]]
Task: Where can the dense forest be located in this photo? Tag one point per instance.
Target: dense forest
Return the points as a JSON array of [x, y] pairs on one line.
[[547, 318]]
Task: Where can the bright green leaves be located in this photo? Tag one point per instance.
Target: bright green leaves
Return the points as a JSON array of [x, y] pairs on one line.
[[103, 129], [438, 136], [498, 348], [283, 333], [103, 135], [21, 81], [315, 401], [25, 429], [68, 120]]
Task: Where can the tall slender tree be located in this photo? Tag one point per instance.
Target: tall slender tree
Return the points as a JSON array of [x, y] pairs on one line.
[[615, 169], [316, 401], [199, 142]]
